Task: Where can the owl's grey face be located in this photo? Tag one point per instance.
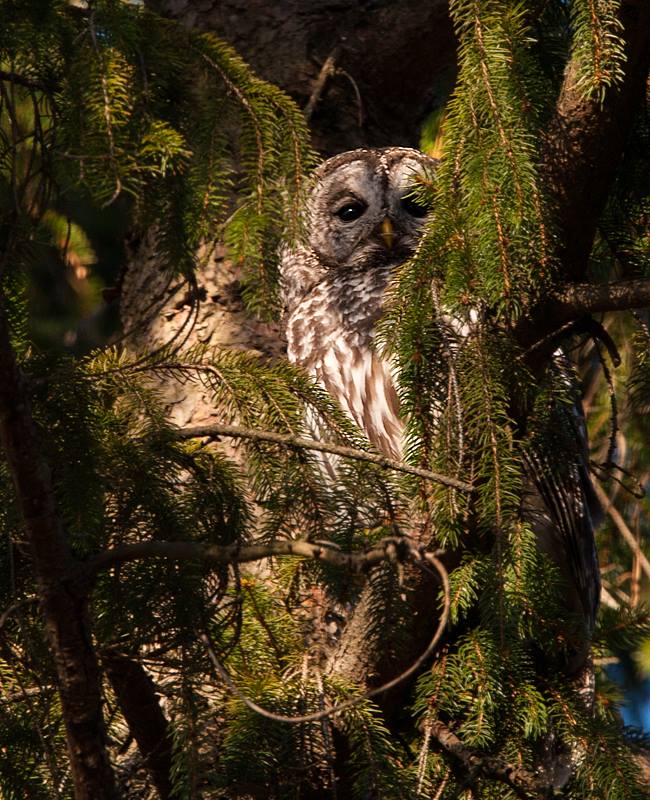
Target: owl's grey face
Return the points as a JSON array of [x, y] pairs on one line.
[[362, 210]]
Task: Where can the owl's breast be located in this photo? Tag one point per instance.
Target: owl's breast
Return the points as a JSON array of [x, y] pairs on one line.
[[331, 333]]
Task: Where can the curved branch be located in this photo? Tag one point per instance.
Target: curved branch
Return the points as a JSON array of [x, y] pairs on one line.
[[214, 431]]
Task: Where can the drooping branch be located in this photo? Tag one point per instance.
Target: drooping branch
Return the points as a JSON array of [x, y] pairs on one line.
[[585, 139], [216, 430], [64, 610]]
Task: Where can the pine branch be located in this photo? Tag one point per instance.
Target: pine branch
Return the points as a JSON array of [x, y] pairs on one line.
[[214, 431], [64, 610]]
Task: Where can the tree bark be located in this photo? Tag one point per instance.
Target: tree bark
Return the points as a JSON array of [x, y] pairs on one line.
[[585, 140], [393, 61]]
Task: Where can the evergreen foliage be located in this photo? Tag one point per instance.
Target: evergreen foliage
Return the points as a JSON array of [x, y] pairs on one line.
[[104, 99]]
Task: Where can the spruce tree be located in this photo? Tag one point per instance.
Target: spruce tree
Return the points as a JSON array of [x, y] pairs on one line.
[[170, 589]]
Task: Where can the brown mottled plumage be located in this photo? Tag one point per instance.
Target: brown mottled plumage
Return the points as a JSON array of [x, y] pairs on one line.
[[333, 284]]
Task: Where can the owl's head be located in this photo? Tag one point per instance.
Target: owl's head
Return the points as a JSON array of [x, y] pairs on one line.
[[362, 211]]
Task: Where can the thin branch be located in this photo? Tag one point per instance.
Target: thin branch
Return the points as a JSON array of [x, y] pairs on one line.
[[236, 432], [357, 95], [523, 783], [24, 81], [327, 69], [411, 553], [17, 606], [623, 529]]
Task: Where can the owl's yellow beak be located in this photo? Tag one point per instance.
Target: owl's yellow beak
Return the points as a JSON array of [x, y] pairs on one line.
[[387, 233]]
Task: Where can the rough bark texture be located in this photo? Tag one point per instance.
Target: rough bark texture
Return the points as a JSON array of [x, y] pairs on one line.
[[63, 605], [157, 311], [394, 59]]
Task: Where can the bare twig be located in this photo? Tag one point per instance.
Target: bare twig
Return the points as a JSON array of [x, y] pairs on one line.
[[326, 70], [357, 95], [411, 553], [236, 432], [623, 529]]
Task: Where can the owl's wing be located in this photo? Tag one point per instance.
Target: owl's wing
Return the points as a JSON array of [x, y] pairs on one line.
[[565, 515]]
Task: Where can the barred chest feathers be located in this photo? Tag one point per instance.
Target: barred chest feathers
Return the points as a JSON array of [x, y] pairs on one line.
[[330, 333]]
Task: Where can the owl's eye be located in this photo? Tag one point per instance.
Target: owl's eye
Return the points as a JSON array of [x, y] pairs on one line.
[[351, 211], [413, 206]]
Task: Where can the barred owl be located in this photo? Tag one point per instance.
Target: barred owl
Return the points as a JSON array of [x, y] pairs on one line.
[[362, 221]]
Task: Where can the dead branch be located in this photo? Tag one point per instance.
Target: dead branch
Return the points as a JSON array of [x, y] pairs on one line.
[[327, 69], [521, 781]]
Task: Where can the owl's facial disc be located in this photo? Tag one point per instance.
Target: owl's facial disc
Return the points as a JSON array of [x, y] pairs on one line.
[[353, 204]]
